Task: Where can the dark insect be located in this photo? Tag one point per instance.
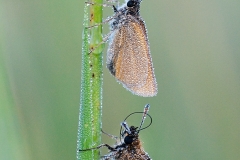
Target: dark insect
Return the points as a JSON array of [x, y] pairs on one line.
[[130, 148], [128, 54]]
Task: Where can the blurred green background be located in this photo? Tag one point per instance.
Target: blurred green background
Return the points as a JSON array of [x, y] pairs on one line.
[[195, 46]]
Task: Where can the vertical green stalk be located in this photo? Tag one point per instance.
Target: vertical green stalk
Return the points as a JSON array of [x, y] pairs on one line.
[[89, 128]]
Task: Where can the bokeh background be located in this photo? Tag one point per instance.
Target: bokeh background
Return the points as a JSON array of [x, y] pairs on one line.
[[195, 47]]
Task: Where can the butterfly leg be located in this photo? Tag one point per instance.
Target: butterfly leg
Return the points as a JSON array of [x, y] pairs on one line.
[[111, 136], [106, 157], [104, 4], [104, 22], [105, 39], [112, 1], [100, 146]]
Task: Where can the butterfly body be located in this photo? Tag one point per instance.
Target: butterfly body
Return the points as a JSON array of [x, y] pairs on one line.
[[130, 149]]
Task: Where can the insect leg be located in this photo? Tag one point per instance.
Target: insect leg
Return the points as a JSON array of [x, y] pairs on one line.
[[103, 41], [106, 20], [112, 1], [104, 4], [100, 146], [111, 136], [107, 157]]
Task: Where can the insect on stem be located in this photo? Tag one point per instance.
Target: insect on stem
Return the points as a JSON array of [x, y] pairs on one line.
[[128, 55], [130, 147]]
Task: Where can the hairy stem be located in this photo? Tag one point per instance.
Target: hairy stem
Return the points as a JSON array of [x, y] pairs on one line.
[[89, 129]]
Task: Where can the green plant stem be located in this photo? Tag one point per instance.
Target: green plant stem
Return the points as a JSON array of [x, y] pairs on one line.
[[89, 129]]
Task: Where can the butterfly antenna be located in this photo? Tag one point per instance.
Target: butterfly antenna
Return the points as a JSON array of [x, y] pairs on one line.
[[125, 126], [145, 111]]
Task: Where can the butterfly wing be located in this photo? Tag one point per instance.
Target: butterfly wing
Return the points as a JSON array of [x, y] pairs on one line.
[[149, 89], [129, 59]]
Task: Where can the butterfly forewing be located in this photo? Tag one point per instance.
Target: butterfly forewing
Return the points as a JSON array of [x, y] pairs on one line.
[[131, 60], [150, 87], [129, 56]]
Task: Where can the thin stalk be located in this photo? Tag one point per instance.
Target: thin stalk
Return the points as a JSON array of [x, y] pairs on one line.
[[89, 128]]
